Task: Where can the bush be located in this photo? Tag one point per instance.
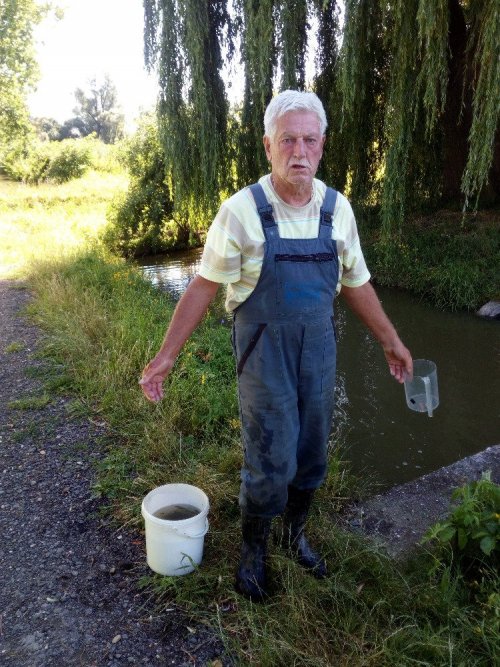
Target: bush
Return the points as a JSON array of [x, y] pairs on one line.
[[55, 162], [142, 221], [105, 158], [70, 161], [139, 221]]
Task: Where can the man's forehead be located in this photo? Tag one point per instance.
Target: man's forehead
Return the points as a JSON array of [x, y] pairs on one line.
[[300, 121]]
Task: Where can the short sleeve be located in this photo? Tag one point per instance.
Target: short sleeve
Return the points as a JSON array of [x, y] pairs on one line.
[[354, 270], [221, 258]]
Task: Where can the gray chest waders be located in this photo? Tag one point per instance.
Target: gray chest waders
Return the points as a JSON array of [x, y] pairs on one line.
[[285, 348]]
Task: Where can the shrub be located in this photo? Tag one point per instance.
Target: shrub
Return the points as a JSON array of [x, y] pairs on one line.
[[70, 160], [55, 162], [142, 221], [473, 527]]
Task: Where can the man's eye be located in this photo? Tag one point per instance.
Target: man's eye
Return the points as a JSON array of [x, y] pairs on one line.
[[286, 140], [311, 141]]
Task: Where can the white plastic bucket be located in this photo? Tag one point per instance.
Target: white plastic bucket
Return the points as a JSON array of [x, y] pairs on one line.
[[175, 547]]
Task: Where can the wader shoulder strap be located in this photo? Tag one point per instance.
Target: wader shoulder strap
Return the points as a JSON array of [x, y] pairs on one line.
[[326, 213], [264, 208]]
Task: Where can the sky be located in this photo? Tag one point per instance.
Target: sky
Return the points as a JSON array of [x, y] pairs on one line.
[[94, 38]]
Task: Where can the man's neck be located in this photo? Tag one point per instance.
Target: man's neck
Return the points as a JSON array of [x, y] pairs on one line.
[[294, 194]]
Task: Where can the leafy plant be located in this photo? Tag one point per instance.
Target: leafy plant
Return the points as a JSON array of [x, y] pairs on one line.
[[473, 527], [54, 162]]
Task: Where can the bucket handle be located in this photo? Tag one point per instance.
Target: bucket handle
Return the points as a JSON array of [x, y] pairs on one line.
[[194, 537]]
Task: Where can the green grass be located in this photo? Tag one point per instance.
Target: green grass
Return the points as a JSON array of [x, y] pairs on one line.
[[103, 322], [29, 402], [450, 260], [14, 347], [45, 221]]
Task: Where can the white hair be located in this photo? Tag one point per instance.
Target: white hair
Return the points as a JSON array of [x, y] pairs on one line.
[[293, 100]]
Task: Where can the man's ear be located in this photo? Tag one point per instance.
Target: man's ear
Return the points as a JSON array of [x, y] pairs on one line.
[[267, 146]]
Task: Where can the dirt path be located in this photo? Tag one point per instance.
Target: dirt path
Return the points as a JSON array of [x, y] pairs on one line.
[[68, 579]]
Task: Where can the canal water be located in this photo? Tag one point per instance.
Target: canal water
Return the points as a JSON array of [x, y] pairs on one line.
[[377, 433]]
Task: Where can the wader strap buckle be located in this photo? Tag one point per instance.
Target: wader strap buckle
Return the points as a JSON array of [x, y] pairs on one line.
[[264, 208], [326, 212]]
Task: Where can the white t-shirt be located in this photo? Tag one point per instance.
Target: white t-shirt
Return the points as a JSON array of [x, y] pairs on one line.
[[234, 248]]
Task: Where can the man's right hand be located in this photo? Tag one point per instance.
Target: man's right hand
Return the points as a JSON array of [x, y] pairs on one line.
[[187, 315], [153, 377]]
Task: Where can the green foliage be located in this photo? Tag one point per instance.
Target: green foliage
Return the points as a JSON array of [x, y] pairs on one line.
[[59, 162], [451, 262], [19, 73], [388, 104], [473, 527], [47, 129], [413, 66], [185, 37], [485, 48], [142, 220], [52, 162], [411, 81], [259, 55], [293, 40]]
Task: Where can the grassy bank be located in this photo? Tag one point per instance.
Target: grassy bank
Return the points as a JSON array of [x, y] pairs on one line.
[[450, 260], [103, 322]]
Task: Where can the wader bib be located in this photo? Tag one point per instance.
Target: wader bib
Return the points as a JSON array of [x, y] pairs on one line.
[[285, 348]]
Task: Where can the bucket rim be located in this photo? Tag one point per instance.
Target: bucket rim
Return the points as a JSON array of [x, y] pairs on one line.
[[181, 523]]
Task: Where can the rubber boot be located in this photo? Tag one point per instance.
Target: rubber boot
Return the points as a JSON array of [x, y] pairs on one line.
[[294, 539], [251, 574]]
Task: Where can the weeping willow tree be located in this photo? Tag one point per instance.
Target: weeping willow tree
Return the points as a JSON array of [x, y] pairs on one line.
[[428, 74], [412, 95], [191, 42]]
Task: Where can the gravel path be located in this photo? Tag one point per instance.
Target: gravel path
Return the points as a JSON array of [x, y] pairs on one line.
[[68, 579]]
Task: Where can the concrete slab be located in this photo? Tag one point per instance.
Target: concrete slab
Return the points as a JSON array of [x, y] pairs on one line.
[[398, 518]]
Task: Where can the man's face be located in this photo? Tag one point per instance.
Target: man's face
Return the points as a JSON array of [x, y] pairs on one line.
[[296, 148]]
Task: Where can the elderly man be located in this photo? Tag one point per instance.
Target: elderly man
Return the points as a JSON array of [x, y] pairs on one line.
[[284, 247]]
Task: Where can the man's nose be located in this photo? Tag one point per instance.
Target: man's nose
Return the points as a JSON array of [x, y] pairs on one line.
[[299, 147]]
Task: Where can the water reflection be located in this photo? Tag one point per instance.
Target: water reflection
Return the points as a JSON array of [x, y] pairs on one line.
[[173, 271], [380, 436]]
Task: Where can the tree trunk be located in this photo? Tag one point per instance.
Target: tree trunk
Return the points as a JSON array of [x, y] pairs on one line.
[[457, 116]]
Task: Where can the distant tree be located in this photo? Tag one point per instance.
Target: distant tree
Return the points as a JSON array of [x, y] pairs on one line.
[[18, 73], [47, 129], [73, 128], [98, 111]]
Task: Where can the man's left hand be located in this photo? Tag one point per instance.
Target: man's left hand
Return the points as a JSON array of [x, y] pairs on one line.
[[399, 360]]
